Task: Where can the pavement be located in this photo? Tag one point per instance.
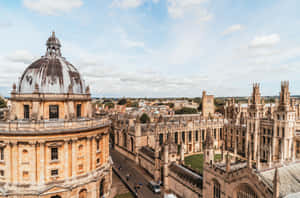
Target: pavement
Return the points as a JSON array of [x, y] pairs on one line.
[[137, 175]]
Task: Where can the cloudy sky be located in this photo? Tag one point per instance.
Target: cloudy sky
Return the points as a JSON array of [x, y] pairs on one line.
[[158, 48]]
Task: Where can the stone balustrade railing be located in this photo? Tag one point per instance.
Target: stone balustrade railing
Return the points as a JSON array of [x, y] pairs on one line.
[[51, 125]]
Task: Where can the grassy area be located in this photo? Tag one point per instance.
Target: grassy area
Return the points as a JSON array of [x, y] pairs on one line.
[[125, 195], [196, 161]]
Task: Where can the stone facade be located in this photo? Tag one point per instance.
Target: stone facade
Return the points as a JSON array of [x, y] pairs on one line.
[[50, 144], [259, 144]]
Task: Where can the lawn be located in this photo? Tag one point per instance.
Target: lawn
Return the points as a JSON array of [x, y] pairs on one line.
[[196, 161], [125, 195]]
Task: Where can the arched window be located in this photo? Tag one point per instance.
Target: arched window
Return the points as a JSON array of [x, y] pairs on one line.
[[83, 193], [101, 188], [217, 190]]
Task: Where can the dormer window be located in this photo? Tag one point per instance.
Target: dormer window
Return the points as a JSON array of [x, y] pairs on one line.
[[53, 112]]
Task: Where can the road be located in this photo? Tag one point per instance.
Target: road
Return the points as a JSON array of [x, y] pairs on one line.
[[137, 175]]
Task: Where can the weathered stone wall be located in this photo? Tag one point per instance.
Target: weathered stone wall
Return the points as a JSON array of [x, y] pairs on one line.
[[182, 189]]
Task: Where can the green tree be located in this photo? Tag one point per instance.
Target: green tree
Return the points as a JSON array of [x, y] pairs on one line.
[[2, 103], [200, 106], [123, 101], [171, 105], [110, 105], [186, 110], [144, 118]]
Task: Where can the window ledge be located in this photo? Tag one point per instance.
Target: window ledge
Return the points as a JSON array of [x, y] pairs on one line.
[[2, 162], [99, 151], [54, 161], [80, 157]]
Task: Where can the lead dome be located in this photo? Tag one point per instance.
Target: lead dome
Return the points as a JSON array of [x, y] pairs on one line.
[[52, 73]]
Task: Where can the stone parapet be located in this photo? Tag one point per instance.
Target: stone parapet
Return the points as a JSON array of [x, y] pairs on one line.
[[49, 126]]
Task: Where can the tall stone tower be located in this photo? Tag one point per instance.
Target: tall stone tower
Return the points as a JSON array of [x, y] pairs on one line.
[[209, 148], [256, 94], [285, 117], [255, 112], [208, 106]]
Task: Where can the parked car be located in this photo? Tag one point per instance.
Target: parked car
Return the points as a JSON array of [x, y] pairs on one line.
[[154, 187]]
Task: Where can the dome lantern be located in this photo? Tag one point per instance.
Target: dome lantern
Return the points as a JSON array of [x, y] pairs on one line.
[[53, 46]]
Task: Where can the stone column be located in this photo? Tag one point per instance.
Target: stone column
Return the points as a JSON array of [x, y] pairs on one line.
[[93, 153], [74, 157], [283, 149], [33, 164], [66, 153], [273, 148], [9, 161], [14, 162], [42, 162], [290, 150], [88, 152]]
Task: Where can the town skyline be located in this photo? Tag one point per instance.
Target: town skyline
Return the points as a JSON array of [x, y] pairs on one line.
[[158, 48]]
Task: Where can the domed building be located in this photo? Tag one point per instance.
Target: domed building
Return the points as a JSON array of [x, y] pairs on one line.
[[51, 145]]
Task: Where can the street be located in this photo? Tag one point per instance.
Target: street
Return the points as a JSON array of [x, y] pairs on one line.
[[136, 174]]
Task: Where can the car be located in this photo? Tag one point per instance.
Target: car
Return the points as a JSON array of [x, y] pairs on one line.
[[155, 187]]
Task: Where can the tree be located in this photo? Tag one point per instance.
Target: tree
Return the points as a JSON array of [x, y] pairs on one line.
[[186, 110], [132, 104], [144, 118], [219, 105], [171, 105], [110, 105], [200, 106], [2, 103], [123, 101]]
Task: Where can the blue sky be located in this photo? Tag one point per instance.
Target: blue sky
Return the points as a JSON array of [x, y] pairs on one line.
[[158, 48]]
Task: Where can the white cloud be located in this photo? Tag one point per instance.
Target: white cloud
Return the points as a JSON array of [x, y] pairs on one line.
[[21, 56], [179, 8], [52, 7], [232, 29], [265, 41], [125, 4], [130, 44]]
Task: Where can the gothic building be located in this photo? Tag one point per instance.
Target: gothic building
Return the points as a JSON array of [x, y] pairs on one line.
[[50, 144], [259, 144]]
